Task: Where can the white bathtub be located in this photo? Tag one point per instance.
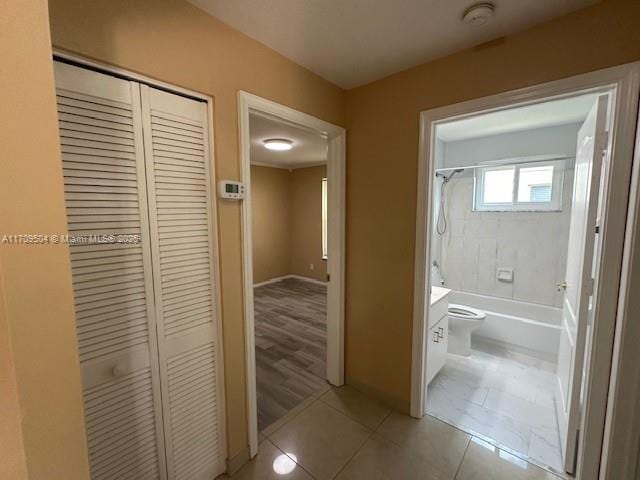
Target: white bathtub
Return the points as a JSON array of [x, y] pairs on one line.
[[524, 326]]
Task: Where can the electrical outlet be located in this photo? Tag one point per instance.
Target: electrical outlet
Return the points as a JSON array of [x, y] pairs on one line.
[[311, 266]]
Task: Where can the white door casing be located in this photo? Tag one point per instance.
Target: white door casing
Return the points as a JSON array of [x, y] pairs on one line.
[[336, 175], [591, 146]]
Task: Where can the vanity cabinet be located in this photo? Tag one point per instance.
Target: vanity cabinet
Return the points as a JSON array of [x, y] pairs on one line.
[[438, 332]]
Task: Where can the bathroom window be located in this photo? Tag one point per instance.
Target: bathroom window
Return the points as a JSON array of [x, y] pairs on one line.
[[519, 187]]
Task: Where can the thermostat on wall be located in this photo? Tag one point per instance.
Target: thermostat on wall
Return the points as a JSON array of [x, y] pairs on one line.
[[230, 190]]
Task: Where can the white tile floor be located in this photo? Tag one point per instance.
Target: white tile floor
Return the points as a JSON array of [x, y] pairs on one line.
[[506, 398]]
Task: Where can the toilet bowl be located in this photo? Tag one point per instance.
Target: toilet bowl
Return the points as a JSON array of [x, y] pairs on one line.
[[462, 321]]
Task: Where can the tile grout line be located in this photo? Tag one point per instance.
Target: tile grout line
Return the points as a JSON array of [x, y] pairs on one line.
[[293, 460], [371, 434], [315, 399], [333, 407], [466, 449]]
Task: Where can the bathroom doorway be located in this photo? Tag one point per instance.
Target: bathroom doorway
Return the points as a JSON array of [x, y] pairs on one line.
[[513, 266]]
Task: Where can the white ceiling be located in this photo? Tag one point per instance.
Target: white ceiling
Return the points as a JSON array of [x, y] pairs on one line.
[[353, 42], [556, 112], [309, 148]]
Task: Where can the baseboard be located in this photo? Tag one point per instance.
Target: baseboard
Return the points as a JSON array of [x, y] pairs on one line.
[[392, 401], [271, 280], [307, 279], [284, 277], [238, 461]]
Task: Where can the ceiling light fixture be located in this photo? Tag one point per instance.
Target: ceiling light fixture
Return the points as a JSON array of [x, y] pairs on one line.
[[479, 14], [278, 144]]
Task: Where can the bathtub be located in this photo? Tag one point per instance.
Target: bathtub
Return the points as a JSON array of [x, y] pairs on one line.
[[516, 325]]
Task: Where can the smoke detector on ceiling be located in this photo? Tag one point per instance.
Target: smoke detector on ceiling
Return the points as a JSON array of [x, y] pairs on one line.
[[479, 14]]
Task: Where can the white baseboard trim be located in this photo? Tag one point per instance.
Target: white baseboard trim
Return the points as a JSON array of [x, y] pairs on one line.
[[307, 279], [271, 280], [284, 277]]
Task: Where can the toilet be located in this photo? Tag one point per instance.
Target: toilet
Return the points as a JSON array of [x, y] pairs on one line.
[[462, 321]]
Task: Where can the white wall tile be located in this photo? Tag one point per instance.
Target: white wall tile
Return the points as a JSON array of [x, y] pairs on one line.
[[533, 244]]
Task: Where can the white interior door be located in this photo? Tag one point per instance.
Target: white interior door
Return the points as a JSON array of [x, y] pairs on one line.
[[578, 283], [176, 137]]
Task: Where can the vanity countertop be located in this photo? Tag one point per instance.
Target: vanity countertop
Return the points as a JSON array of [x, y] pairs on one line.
[[438, 293]]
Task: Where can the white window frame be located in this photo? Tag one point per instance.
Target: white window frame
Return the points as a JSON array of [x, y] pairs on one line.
[[555, 205], [325, 247]]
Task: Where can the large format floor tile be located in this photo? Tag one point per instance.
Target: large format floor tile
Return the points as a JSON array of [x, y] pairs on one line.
[[318, 441], [322, 439], [271, 463], [381, 459], [438, 444], [507, 400], [359, 407], [483, 461]]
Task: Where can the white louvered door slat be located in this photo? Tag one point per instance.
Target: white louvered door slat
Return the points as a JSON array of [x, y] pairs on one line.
[[105, 191], [183, 252]]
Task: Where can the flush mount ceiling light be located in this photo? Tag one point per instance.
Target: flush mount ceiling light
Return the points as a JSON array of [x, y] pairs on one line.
[[278, 144], [479, 14]]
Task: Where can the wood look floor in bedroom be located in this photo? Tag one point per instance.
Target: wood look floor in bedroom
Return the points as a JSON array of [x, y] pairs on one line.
[[291, 337]]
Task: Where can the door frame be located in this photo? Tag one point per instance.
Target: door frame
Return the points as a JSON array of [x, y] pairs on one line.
[[624, 80], [336, 173], [125, 74]]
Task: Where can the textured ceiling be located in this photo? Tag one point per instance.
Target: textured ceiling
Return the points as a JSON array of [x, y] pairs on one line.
[[353, 42], [309, 148]]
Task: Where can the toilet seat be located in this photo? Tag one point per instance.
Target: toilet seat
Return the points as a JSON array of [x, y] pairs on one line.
[[464, 312]]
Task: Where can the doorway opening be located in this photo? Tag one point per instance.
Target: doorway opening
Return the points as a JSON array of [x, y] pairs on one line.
[[515, 247], [293, 171], [514, 227], [289, 264]]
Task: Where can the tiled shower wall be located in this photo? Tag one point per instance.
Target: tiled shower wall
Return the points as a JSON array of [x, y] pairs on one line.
[[476, 244]]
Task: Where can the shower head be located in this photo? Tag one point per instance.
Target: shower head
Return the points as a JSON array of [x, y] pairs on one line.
[[444, 176]]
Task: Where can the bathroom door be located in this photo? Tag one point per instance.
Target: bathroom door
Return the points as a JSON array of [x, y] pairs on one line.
[[578, 284]]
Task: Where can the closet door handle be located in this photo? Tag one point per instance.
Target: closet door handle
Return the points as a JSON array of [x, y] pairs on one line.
[[118, 370]]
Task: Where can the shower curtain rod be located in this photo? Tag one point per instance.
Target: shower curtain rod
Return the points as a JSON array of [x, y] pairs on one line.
[[508, 161]]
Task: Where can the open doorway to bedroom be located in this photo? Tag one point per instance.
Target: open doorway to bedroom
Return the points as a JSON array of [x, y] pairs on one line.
[[289, 226], [293, 255]]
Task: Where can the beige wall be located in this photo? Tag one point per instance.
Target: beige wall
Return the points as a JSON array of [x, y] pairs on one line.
[[175, 42], [13, 464], [287, 222], [306, 222], [382, 122], [39, 371], [270, 222]]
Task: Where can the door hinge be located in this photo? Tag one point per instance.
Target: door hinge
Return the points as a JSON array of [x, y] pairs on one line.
[[597, 228], [328, 277]]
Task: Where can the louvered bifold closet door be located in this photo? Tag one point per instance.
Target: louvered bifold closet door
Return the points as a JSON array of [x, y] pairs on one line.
[[184, 255], [105, 193]]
